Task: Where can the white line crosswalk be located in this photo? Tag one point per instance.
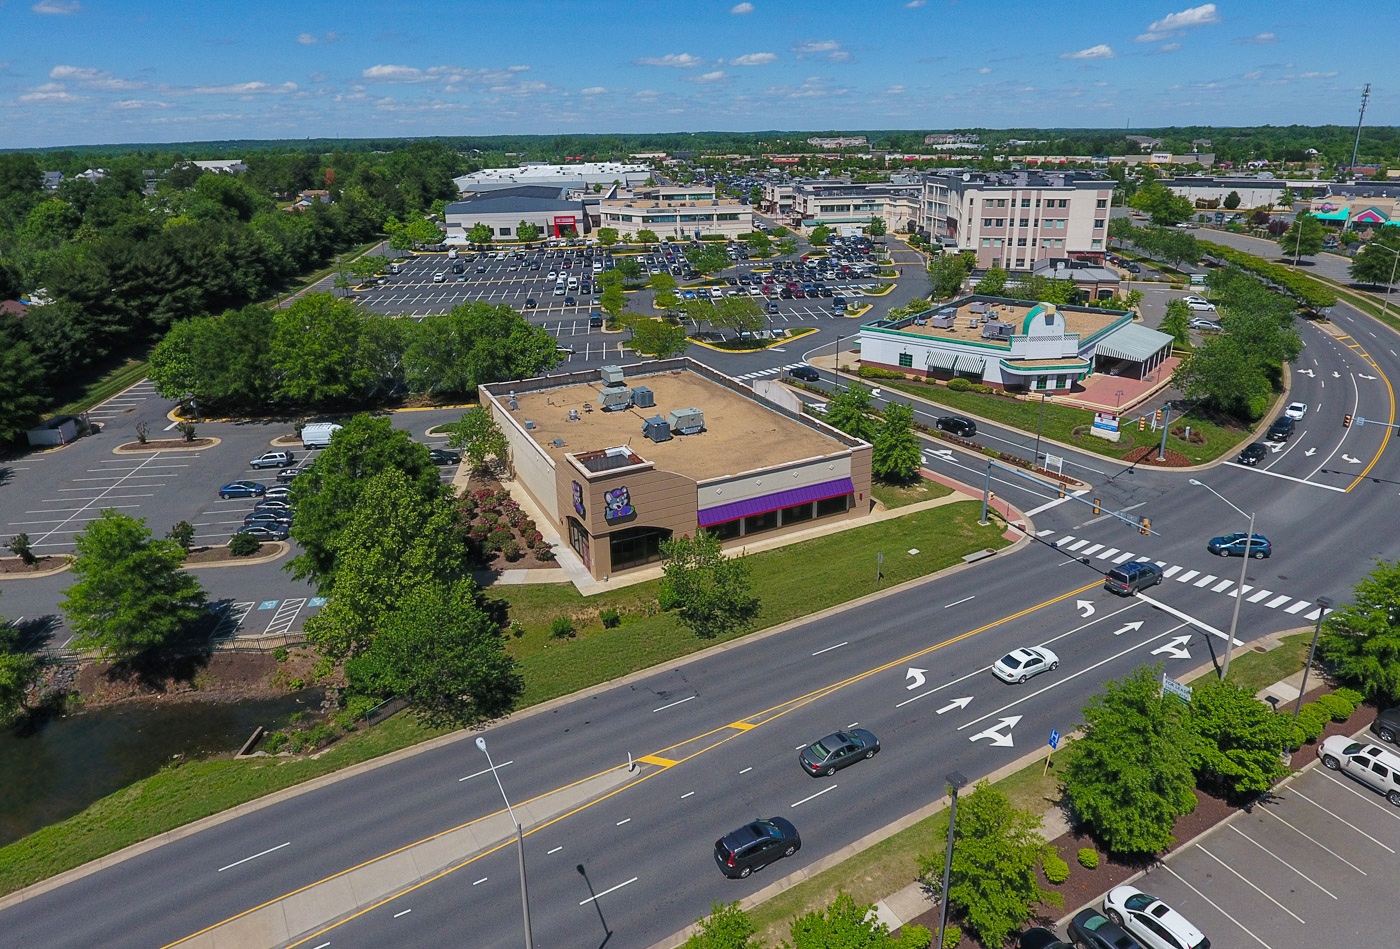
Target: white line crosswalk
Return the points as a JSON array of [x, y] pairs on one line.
[[749, 376], [1072, 544]]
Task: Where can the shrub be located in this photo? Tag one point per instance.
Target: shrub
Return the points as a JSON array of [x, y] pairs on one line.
[[667, 599], [960, 384], [517, 629], [186, 429], [1056, 870], [561, 628], [1351, 695], [275, 742], [21, 546], [875, 372], [142, 432], [952, 936], [1336, 706], [499, 537], [244, 545], [544, 554], [511, 551], [1088, 858], [610, 618], [182, 533], [280, 654], [1312, 719]]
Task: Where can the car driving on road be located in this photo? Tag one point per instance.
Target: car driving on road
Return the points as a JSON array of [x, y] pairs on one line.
[[1127, 579], [1020, 664], [1296, 410], [838, 750], [1233, 545], [1280, 430], [755, 845], [1253, 454], [956, 425]]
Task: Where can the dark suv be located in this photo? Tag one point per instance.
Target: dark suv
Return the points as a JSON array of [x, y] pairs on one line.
[[1280, 430], [1387, 725], [1127, 579], [754, 846], [956, 425], [805, 373]]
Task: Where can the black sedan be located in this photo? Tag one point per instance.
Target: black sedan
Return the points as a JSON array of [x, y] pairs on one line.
[[838, 750], [1090, 929], [242, 489], [445, 456], [1253, 454], [531, 303]]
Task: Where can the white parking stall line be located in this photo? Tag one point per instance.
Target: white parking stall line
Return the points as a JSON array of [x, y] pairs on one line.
[[1170, 571], [1298, 607], [1207, 580], [1218, 908], [231, 619], [1260, 595], [1250, 883], [1186, 577], [1343, 819], [1278, 601], [1306, 836], [285, 615], [1290, 866]]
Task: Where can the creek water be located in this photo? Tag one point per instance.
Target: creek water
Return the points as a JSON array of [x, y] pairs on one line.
[[55, 770]]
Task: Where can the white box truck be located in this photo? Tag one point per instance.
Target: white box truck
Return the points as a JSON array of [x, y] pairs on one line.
[[318, 434], [451, 253]]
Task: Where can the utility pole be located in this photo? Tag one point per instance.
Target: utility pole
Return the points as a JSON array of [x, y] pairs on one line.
[[1365, 97]]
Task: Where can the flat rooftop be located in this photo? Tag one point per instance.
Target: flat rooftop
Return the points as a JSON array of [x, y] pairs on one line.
[[741, 433], [1083, 322]]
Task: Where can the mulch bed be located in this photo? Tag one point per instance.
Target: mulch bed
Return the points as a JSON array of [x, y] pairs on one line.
[[1147, 455], [222, 554], [166, 444], [16, 567]]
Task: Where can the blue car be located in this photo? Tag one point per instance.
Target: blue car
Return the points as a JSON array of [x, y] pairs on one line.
[[242, 489], [1232, 545]]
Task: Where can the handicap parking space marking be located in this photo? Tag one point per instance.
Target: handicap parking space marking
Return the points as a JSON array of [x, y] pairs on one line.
[[268, 604], [282, 620], [315, 601], [231, 618]]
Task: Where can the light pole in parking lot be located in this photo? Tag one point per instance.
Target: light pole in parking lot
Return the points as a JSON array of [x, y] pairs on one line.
[[956, 782], [1239, 591], [1324, 603], [520, 841], [838, 360]]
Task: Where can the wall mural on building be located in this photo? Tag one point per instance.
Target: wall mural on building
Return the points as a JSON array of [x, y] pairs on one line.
[[578, 501], [618, 504]]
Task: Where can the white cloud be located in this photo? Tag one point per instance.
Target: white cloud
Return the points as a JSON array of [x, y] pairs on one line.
[[739, 9], [754, 59], [245, 89], [675, 60], [1169, 47], [592, 91], [1194, 16], [1151, 37], [830, 49], [715, 76], [984, 70], [50, 92], [133, 104], [915, 4], [1253, 74], [1102, 51], [75, 72], [894, 91], [517, 69], [311, 39], [57, 7], [93, 78], [1261, 39], [393, 74]]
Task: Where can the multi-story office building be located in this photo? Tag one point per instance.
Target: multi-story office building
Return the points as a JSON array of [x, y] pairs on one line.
[[1013, 219], [676, 211]]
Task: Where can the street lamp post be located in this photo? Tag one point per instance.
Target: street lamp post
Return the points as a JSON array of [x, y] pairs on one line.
[[1035, 462], [1390, 287], [838, 360], [1244, 564], [1324, 603], [519, 839], [956, 782]]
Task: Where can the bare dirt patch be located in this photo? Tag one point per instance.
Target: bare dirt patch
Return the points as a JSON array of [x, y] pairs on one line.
[[13, 566], [220, 677], [168, 444]]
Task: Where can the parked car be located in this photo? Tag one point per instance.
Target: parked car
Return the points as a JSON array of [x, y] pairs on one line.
[[956, 425], [275, 504], [1128, 578], [1232, 545], [1021, 664], [272, 459], [1281, 430], [1370, 764], [838, 750], [1201, 323], [242, 489], [445, 456], [755, 845], [1296, 410], [288, 475], [264, 531], [267, 517], [279, 491], [1090, 929], [1200, 305], [1387, 725], [805, 373], [595, 321], [531, 303], [1253, 454], [1039, 937], [1154, 923]]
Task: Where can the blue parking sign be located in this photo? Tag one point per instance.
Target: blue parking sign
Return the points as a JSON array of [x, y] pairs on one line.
[[1054, 739]]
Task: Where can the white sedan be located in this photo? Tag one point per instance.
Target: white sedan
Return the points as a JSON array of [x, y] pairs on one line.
[[1296, 410], [1020, 664], [1200, 305]]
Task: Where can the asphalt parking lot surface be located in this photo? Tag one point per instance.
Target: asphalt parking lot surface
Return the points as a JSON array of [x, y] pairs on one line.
[[1315, 865]]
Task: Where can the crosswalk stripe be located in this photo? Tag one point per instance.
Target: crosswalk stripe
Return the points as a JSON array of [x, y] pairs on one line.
[[1044, 532], [1076, 545], [1091, 549], [1173, 569], [1223, 584], [1108, 553], [1278, 601], [1064, 540], [1298, 607], [1260, 595], [1122, 557], [1238, 591], [1313, 615], [1187, 576], [1206, 580]]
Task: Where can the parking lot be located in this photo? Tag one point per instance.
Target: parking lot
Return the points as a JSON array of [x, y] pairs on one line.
[[1314, 865]]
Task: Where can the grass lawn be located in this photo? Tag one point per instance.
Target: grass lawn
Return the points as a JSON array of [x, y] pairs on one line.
[[124, 376], [1256, 670], [898, 495], [1061, 421], [179, 795], [792, 581]]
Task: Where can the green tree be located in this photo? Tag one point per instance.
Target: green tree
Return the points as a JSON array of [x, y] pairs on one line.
[[1360, 640], [1130, 777], [366, 266], [613, 301], [947, 273], [1177, 322], [727, 927], [315, 350], [438, 648], [780, 232], [1238, 739], [740, 314], [131, 597], [787, 246], [472, 344], [896, 456], [993, 282], [876, 227], [424, 231], [22, 387], [479, 233], [819, 235], [1287, 198], [1303, 237], [1041, 289], [849, 410], [660, 339], [326, 494], [479, 437], [1232, 201], [712, 593], [18, 673], [663, 287], [525, 232], [760, 244], [607, 236], [1161, 203], [628, 269], [997, 849], [707, 259], [847, 925], [647, 236], [1378, 261]]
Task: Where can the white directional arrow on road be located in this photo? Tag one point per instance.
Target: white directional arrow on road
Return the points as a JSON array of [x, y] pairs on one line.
[[956, 703], [1127, 627], [1275, 447], [1176, 648], [1336, 374], [1086, 606], [1304, 372], [917, 675], [945, 453], [995, 733], [1361, 375], [1350, 460], [1310, 452]]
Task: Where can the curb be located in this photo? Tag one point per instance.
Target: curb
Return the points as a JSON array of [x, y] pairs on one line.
[[282, 548], [39, 574]]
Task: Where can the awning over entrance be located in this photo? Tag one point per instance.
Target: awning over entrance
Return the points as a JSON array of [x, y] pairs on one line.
[[941, 359], [1134, 343], [771, 502], [972, 365]]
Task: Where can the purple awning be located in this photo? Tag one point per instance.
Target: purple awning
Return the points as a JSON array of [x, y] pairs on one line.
[[771, 502]]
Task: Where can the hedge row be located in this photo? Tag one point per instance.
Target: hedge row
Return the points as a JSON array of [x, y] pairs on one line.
[[1305, 289]]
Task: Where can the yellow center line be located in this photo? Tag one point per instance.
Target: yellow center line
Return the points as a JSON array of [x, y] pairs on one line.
[[1390, 420], [720, 735]]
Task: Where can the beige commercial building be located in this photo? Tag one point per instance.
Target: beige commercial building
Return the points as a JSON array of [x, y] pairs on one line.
[[675, 211], [624, 458]]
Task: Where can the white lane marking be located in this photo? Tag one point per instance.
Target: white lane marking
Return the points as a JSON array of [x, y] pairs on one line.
[[1282, 861], [1049, 504], [1260, 595], [1206, 580], [1314, 840], [1278, 601], [1222, 912], [477, 774], [1170, 571], [829, 648], [1122, 557], [253, 857], [1298, 607], [673, 704], [481, 881], [606, 892], [403, 912], [1275, 474], [321, 946], [686, 795], [1187, 576], [963, 600], [1344, 820], [625, 820], [555, 850], [1266, 896], [814, 796], [747, 770]]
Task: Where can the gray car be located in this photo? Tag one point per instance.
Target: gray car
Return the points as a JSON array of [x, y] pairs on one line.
[[838, 750]]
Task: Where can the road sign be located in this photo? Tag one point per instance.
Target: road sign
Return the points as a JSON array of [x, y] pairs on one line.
[[1169, 684], [1054, 738]]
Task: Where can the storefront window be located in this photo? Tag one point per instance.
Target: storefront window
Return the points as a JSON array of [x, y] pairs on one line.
[[578, 539], [725, 531], [833, 506], [760, 522], [796, 513], [636, 545]]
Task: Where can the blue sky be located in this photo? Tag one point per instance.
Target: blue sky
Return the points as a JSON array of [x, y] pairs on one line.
[[104, 71]]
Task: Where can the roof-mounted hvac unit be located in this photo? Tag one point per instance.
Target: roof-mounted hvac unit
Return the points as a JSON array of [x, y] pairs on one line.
[[996, 330], [643, 397], [657, 429], [686, 421], [612, 376], [615, 398]]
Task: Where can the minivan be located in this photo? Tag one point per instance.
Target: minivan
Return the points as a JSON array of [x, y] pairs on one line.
[[1127, 579]]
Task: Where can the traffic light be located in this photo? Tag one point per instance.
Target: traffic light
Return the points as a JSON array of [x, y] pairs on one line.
[[1159, 417], [1145, 525], [1142, 422], [1096, 506], [1346, 421]]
